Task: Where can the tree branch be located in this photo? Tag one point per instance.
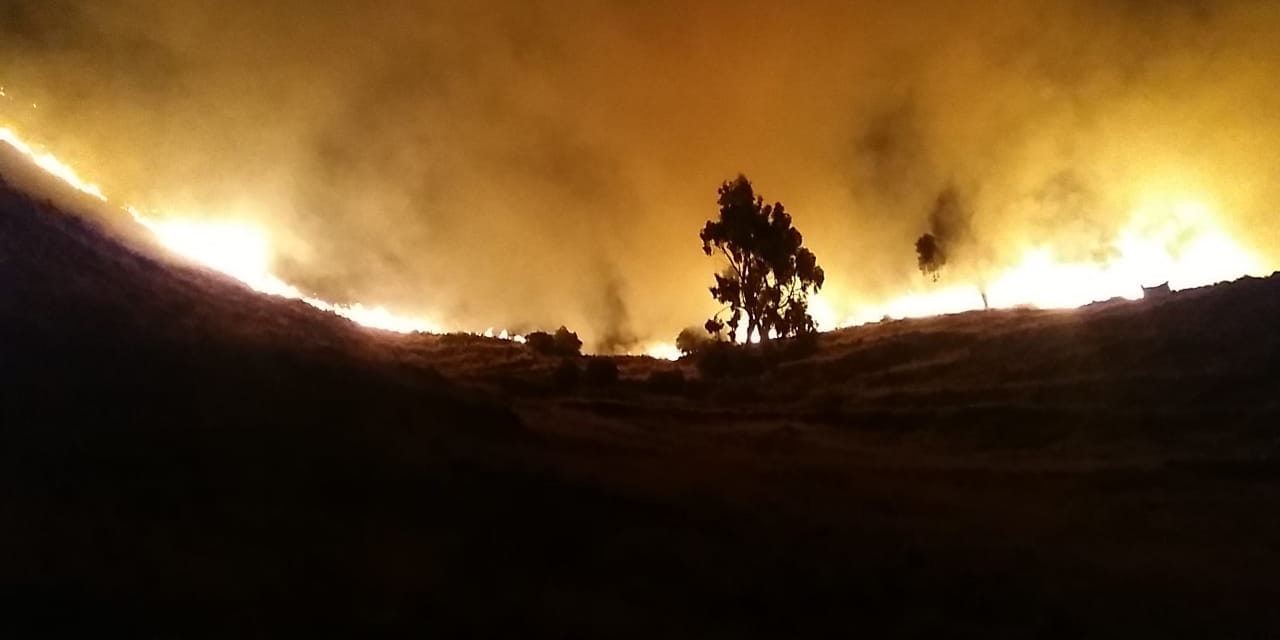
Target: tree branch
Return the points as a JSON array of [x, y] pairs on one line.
[[732, 264]]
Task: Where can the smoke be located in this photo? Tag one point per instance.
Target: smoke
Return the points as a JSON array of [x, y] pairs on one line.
[[479, 162], [616, 335], [949, 229]]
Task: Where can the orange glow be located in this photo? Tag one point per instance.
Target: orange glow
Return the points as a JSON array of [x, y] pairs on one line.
[[662, 351], [1180, 243], [238, 250], [50, 164], [1176, 241], [244, 253]]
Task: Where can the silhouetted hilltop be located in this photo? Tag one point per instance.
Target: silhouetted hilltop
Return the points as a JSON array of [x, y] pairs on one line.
[[181, 457]]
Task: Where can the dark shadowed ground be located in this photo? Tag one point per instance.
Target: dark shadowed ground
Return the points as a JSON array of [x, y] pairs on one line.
[[182, 458]]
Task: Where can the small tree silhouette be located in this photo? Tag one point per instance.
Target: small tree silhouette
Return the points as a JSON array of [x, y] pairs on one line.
[[930, 256], [769, 274]]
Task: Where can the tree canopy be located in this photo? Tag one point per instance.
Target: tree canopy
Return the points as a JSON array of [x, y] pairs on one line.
[[930, 256], [768, 275]]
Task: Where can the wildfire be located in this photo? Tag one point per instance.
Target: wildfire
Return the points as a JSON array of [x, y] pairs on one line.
[[1177, 242], [662, 351], [240, 251], [1180, 243], [51, 164]]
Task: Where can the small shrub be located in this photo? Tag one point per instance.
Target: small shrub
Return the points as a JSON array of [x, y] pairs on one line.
[[692, 340], [567, 342], [541, 342], [564, 343], [601, 372], [670, 381]]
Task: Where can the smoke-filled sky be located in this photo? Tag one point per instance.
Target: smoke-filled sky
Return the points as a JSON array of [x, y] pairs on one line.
[[530, 164]]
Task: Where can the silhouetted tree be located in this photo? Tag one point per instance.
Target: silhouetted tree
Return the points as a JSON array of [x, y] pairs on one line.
[[930, 256], [949, 225], [769, 274]]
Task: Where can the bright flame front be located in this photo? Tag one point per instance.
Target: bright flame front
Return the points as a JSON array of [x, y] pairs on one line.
[[51, 164], [239, 250], [1180, 243], [243, 252]]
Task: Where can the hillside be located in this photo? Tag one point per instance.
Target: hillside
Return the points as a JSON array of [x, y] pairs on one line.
[[185, 458]]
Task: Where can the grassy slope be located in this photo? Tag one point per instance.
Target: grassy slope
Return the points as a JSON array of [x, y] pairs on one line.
[[180, 455]]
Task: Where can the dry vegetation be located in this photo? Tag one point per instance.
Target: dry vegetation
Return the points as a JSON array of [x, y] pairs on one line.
[[184, 458]]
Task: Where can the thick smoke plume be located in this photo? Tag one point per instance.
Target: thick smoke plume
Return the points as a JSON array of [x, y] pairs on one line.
[[481, 161]]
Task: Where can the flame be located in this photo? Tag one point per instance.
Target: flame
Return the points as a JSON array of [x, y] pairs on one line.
[[241, 251], [238, 250], [1179, 242], [662, 351], [51, 164]]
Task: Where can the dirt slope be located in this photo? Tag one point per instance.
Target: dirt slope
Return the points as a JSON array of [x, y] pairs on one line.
[[182, 458]]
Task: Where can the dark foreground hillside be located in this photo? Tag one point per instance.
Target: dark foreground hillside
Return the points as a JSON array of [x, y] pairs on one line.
[[182, 458]]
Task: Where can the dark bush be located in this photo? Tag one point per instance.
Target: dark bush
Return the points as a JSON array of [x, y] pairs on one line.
[[541, 342], [601, 372], [666, 381], [567, 343], [693, 339], [564, 343]]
